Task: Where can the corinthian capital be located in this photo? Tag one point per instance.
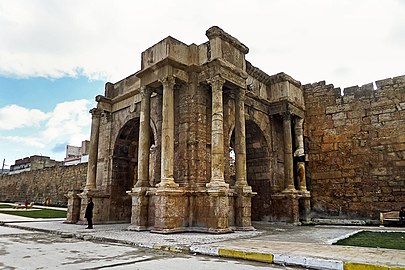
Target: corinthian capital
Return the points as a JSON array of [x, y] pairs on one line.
[[216, 82], [95, 112], [168, 82], [145, 91]]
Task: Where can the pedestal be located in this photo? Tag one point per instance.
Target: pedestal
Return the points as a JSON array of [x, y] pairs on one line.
[[243, 205], [170, 210], [139, 212], [101, 208], [305, 206], [73, 211], [217, 221], [285, 207]]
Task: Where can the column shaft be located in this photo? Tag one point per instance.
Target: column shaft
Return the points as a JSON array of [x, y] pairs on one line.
[[144, 139], [167, 156], [288, 155], [217, 134], [93, 151], [240, 139], [299, 137], [299, 154]]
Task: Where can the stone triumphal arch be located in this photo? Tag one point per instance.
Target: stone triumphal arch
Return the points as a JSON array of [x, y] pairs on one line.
[[161, 141]]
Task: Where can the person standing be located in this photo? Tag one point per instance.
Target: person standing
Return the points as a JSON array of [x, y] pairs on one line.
[[402, 216], [89, 214]]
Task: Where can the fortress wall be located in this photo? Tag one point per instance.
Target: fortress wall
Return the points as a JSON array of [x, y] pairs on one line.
[[36, 186], [356, 147]]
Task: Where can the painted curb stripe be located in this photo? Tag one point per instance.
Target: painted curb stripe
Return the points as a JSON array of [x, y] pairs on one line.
[[362, 266], [253, 256], [310, 262]]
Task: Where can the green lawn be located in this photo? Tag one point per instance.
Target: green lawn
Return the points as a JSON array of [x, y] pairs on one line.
[[391, 240], [42, 213]]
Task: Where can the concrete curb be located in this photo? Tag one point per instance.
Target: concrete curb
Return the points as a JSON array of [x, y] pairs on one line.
[[279, 259], [315, 263], [362, 266], [307, 262]]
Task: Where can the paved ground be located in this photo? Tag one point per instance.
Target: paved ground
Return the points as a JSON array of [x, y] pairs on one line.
[[307, 246], [23, 249]]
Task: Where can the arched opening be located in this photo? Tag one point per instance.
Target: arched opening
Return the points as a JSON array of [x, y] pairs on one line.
[[258, 171], [124, 170]]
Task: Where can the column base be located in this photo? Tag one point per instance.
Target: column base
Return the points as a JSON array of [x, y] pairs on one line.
[[217, 186], [289, 190], [167, 183]]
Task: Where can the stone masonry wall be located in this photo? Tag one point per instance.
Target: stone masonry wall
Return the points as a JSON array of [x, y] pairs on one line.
[[356, 148], [52, 183]]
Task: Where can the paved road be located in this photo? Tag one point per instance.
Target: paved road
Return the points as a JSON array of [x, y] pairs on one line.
[[21, 249]]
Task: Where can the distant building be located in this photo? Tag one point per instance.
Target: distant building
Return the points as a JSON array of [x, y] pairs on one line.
[[76, 154], [32, 163], [4, 171]]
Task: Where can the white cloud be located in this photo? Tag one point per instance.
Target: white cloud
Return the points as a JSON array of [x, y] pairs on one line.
[[104, 39], [68, 121], [27, 141], [14, 116]]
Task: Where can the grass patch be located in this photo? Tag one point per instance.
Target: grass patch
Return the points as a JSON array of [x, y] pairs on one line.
[[42, 213], [391, 240], [4, 205]]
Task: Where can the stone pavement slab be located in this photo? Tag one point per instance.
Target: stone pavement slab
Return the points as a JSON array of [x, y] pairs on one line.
[[307, 246]]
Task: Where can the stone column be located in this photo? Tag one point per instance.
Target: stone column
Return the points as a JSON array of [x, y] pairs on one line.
[[299, 137], [217, 134], [240, 139], [93, 151], [218, 213], [144, 139], [243, 191], [288, 155], [167, 156], [139, 211], [299, 154]]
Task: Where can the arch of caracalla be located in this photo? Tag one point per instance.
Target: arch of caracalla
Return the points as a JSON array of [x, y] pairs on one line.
[[198, 140]]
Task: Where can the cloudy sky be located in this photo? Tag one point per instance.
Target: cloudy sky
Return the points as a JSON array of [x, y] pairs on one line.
[[55, 56]]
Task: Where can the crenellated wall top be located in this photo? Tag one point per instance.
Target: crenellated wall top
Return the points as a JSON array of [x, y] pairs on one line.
[[365, 90]]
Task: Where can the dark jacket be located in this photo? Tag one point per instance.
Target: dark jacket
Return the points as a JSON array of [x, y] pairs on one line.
[[89, 210]]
